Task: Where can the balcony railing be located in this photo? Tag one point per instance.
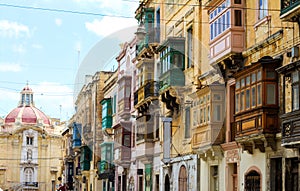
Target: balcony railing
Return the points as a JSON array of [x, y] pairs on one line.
[[31, 184], [150, 89], [287, 5]]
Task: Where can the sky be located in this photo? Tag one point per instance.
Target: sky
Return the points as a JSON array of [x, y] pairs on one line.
[[53, 44]]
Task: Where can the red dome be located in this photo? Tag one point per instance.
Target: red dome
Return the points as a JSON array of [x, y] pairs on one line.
[[27, 115]]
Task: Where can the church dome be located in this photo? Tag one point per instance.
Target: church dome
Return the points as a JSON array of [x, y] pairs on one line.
[[26, 112]]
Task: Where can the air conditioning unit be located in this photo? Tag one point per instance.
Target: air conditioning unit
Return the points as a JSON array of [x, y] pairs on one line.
[[295, 52]]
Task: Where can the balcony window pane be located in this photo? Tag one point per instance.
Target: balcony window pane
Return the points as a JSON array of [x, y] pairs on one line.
[[217, 112], [237, 85], [270, 74], [253, 97], [248, 80], [208, 113], [187, 133], [259, 94], [295, 97], [237, 17], [237, 1], [242, 101], [259, 75], [247, 98], [237, 102], [195, 118], [271, 94], [242, 83], [253, 78]]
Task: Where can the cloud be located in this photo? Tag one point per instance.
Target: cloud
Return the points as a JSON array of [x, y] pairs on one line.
[[109, 25], [12, 29], [19, 48], [10, 67], [37, 46], [55, 99], [58, 22]]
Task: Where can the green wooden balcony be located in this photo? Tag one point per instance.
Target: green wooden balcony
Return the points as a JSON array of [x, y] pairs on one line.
[[173, 77], [290, 10]]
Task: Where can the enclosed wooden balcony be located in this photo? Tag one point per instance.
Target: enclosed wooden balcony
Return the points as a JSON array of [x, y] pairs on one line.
[[145, 128], [290, 119], [106, 113], [106, 170], [85, 158], [122, 144], [146, 93], [256, 105], [227, 34], [76, 137], [173, 77], [290, 10]]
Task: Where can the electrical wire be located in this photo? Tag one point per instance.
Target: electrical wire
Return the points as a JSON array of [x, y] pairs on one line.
[[62, 11]]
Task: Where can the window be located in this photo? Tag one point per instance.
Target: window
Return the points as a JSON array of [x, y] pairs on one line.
[[217, 112], [29, 140], [271, 95], [187, 133], [262, 9], [190, 47], [237, 2], [247, 98], [237, 102], [252, 181], [182, 179], [237, 18], [29, 154], [253, 97], [295, 90], [276, 171], [259, 75], [220, 24], [28, 174], [214, 178], [259, 94], [242, 101], [253, 78], [114, 104]]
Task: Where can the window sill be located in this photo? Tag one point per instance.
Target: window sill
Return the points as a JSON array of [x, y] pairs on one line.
[[262, 21]]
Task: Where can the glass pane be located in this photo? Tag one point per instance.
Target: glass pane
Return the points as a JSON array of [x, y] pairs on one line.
[[270, 74], [295, 97], [242, 83], [259, 94], [237, 85], [253, 77], [258, 75], [242, 101], [237, 102], [295, 76], [253, 97], [208, 113], [248, 80], [217, 113], [247, 98], [217, 97], [271, 96]]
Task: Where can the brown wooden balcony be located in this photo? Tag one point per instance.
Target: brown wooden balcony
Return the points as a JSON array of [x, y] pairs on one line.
[[147, 92], [233, 131], [290, 10]]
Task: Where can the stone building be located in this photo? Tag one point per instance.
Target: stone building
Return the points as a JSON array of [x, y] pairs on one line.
[[31, 148]]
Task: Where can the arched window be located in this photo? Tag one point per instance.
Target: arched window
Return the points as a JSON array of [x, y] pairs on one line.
[[252, 181], [28, 172], [182, 179]]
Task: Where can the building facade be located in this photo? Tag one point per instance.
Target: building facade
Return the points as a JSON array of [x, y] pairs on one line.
[[31, 148]]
